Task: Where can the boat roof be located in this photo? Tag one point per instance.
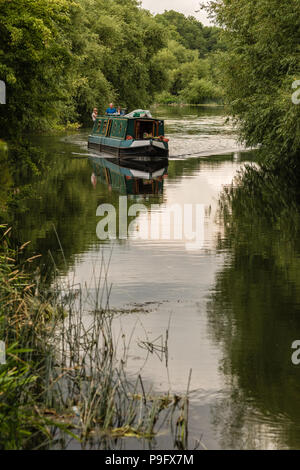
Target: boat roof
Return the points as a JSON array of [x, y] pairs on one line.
[[110, 116]]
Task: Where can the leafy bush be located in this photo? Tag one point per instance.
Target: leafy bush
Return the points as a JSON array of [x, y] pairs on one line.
[[166, 98], [200, 91]]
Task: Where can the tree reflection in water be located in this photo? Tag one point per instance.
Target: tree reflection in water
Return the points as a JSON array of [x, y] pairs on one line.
[[254, 312]]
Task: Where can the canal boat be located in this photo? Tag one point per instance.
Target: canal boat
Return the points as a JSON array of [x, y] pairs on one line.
[[129, 135], [128, 176]]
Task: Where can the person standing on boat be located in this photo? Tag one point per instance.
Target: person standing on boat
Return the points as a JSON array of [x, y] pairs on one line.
[[111, 109], [95, 114]]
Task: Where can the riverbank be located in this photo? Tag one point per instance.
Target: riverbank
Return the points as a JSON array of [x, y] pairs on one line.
[[61, 380]]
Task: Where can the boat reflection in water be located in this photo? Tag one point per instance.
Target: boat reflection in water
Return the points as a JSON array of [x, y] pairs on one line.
[[138, 175]]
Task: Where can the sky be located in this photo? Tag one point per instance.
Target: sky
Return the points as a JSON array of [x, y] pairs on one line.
[[188, 7]]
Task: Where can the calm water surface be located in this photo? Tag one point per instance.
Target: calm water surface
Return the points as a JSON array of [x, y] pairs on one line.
[[231, 305]]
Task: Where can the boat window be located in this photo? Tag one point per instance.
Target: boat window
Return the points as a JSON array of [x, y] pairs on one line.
[[145, 127]]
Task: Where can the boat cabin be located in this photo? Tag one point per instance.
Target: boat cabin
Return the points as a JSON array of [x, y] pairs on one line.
[[120, 127], [122, 135]]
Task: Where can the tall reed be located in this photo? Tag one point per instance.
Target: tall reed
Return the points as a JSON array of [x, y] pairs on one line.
[[64, 379]]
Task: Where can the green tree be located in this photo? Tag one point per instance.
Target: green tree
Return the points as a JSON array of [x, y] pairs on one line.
[[188, 78], [200, 91], [61, 58], [190, 32], [34, 57], [259, 69]]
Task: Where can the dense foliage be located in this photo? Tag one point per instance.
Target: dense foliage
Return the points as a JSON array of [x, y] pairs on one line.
[[262, 63], [61, 58], [190, 32], [189, 60], [34, 58]]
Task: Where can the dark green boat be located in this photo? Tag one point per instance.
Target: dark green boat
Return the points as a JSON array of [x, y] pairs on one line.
[[128, 136]]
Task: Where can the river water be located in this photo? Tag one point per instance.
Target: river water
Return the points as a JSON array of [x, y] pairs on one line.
[[230, 304]]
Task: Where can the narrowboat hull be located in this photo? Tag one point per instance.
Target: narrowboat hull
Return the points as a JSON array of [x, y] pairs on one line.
[[129, 148]]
